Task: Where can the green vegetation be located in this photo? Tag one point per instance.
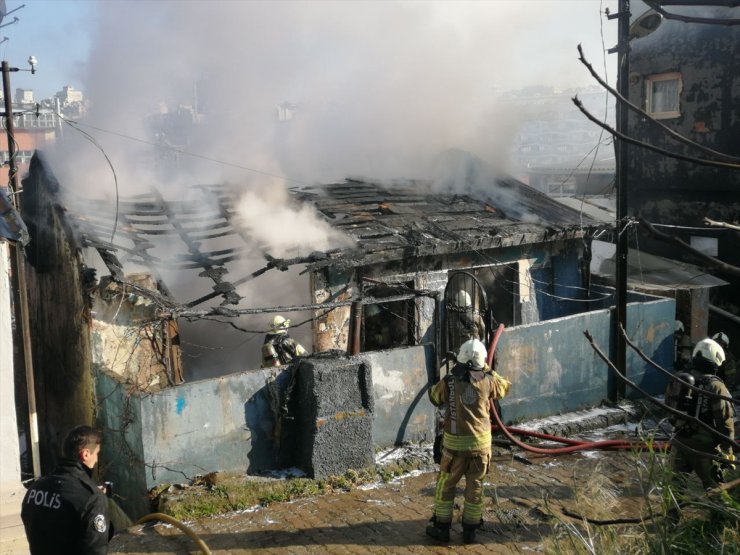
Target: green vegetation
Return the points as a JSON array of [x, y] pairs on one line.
[[224, 492], [676, 520]]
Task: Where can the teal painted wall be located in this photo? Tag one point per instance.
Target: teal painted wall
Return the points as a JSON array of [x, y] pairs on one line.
[[553, 368]]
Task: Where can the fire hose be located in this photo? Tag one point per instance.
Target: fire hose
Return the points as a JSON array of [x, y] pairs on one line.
[[173, 521], [573, 445]]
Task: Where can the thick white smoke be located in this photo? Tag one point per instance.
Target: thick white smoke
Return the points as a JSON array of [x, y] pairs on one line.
[[379, 89]]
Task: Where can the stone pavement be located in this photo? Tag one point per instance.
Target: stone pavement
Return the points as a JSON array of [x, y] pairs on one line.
[[390, 518]]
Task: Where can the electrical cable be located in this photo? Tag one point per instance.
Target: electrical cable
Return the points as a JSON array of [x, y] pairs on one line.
[[648, 146], [194, 155], [74, 125]]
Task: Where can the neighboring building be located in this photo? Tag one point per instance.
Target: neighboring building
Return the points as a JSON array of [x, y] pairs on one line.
[[12, 535], [68, 95], [520, 256], [554, 133], [684, 74], [23, 96]]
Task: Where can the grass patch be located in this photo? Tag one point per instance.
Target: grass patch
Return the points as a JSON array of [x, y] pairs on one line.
[[219, 493]]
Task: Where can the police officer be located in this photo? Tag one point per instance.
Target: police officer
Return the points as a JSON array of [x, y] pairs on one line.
[[690, 439], [467, 393], [66, 513], [279, 348]]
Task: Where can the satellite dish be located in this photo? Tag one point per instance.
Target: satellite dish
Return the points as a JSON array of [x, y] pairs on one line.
[[645, 24]]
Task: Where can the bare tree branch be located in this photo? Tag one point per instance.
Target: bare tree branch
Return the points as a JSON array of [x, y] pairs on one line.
[[648, 146], [677, 136], [710, 260]]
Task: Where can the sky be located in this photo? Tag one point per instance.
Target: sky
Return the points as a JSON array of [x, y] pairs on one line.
[[60, 33]]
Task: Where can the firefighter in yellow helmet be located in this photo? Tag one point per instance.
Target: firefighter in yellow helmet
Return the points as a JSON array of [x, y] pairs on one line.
[[279, 348], [467, 393]]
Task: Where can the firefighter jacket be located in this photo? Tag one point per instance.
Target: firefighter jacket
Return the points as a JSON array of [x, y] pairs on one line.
[[279, 348], [66, 514], [717, 413], [467, 395]]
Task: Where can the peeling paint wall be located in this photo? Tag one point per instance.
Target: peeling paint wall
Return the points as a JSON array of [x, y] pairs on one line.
[[128, 338], [670, 191], [553, 368], [229, 423], [332, 329]]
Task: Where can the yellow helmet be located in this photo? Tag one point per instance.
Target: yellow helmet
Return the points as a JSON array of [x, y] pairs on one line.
[[280, 324]]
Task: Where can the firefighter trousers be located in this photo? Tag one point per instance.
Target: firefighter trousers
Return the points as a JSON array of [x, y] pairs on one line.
[[473, 465]]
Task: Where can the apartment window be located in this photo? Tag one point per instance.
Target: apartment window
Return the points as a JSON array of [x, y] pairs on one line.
[[663, 92]]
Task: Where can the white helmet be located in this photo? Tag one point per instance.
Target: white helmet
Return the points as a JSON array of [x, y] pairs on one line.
[[279, 323], [709, 350], [722, 339], [462, 299], [679, 327], [473, 352]]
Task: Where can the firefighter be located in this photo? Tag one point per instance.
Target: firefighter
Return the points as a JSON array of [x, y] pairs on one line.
[[466, 392], [690, 438], [470, 321], [279, 348], [727, 370], [66, 513]]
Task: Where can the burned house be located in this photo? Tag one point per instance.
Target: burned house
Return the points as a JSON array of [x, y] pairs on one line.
[[683, 68], [380, 314]]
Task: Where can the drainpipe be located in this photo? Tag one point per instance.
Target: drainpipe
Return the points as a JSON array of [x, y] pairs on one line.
[[356, 327], [729, 315], [19, 271]]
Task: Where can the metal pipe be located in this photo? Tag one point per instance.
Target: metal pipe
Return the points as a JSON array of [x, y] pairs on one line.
[[20, 276], [356, 327], [720, 312]]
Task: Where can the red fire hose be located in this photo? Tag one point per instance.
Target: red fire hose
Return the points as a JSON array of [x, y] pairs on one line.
[[573, 445]]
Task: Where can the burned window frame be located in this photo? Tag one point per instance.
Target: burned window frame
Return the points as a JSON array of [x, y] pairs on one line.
[[408, 312]]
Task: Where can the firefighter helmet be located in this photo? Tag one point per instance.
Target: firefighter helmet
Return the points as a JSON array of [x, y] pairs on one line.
[[678, 327], [722, 339], [709, 350], [280, 324], [462, 299], [473, 352]]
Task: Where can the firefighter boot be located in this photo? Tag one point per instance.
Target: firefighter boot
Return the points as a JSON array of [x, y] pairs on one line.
[[440, 531], [469, 532]]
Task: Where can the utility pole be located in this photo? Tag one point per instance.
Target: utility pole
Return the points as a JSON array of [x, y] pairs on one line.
[[617, 391], [19, 271]]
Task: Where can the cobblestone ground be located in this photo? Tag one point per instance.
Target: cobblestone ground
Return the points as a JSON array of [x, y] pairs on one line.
[[391, 517]]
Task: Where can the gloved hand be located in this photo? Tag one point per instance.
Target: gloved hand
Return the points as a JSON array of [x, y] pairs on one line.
[[728, 455]]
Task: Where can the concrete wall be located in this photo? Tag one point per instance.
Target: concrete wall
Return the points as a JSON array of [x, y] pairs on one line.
[[229, 423], [553, 368]]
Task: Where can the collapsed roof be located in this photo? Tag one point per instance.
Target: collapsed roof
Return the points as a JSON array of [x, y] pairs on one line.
[[387, 221]]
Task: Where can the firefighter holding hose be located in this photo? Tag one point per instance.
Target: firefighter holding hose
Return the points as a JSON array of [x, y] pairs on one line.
[[466, 392]]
